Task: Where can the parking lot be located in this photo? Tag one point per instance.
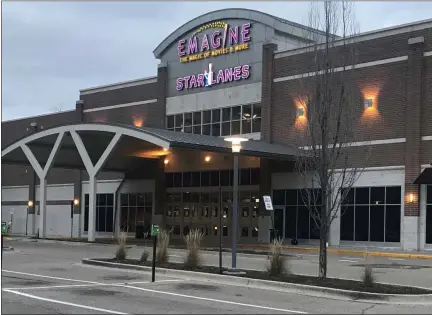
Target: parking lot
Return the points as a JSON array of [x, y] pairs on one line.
[[49, 279]]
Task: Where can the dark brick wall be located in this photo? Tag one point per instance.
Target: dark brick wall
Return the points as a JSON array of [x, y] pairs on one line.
[[426, 116], [266, 91], [369, 50], [426, 152], [120, 96]]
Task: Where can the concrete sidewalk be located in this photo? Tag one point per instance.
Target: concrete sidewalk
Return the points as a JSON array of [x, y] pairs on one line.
[[260, 249]]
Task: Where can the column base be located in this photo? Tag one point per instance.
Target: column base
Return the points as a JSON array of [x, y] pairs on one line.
[[410, 234]]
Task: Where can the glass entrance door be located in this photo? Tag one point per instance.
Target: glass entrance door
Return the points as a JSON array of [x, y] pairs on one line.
[[279, 222]]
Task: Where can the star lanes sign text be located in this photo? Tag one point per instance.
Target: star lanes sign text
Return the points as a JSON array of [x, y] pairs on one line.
[[220, 42], [209, 77]]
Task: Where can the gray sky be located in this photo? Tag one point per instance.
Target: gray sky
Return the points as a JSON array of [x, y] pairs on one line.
[[50, 50]]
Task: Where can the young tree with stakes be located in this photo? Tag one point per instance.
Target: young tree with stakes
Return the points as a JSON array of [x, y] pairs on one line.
[[329, 101]]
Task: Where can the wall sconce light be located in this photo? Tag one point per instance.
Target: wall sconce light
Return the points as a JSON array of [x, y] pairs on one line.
[[411, 198], [30, 203], [300, 112], [76, 202], [215, 227], [166, 161], [367, 103], [207, 158], [257, 200]]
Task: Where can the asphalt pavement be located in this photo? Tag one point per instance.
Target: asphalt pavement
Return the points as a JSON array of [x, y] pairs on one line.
[[48, 278]]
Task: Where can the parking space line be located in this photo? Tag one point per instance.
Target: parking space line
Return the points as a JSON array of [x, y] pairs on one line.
[[50, 277], [398, 259], [31, 296], [346, 260], [352, 258], [214, 300]]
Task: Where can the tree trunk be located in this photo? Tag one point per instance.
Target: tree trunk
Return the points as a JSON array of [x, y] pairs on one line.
[[323, 251]]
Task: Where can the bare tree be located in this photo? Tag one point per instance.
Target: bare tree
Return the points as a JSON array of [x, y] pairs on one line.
[[330, 102], [57, 109]]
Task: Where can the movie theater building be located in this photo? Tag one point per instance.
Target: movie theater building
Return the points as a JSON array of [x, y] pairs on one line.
[[152, 150]]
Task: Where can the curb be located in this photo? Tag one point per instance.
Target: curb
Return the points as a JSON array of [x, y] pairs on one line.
[[8, 249], [308, 290], [350, 251]]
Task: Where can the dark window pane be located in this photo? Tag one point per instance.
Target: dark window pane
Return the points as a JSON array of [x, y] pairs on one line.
[[86, 199], [291, 197], [226, 114], [179, 120], [245, 231], [303, 197], [377, 196], [216, 115], [206, 117], [216, 130], [109, 219], [349, 196], [86, 218], [195, 197], [361, 223], [245, 212], [246, 126], [205, 179], [215, 212], [256, 111], [188, 119], [224, 178], [291, 222], [186, 197], [377, 223], [255, 231], [187, 129], [227, 196], [225, 230], [110, 200], [140, 200], [179, 129], [245, 178], [245, 196], [278, 222], [303, 223], [170, 121], [169, 212], [247, 112], [176, 229], [169, 180], [214, 178], [205, 197], [132, 200], [362, 196], [393, 221], [186, 211], [231, 177], [279, 197], [124, 199], [236, 113], [255, 176], [206, 130], [101, 219], [197, 118], [347, 223], [393, 195], [226, 129], [256, 125], [428, 224], [177, 180], [429, 194], [187, 179], [101, 199], [197, 130], [206, 212], [148, 199], [235, 127], [314, 227], [196, 179]]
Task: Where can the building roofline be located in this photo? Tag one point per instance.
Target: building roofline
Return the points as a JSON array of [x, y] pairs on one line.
[[383, 32], [118, 85], [277, 23], [40, 115]]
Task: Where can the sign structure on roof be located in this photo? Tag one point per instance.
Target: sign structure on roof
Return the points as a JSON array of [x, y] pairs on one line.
[[225, 39]]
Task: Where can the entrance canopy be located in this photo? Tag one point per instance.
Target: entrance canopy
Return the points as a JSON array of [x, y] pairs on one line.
[[127, 145], [425, 177]]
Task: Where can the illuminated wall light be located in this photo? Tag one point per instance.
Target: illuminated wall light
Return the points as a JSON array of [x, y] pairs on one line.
[[368, 103], [411, 198], [166, 161], [300, 112], [30, 203], [76, 202], [207, 158]]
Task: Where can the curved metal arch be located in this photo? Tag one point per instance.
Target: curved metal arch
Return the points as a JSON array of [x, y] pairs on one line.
[[233, 13], [110, 128]]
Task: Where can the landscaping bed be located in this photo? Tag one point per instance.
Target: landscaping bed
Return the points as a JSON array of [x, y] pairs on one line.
[[333, 283]]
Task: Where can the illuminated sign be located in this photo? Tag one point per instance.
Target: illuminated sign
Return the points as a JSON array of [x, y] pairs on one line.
[[228, 40], [209, 77]]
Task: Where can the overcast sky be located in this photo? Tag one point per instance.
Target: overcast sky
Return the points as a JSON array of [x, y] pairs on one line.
[[50, 50]]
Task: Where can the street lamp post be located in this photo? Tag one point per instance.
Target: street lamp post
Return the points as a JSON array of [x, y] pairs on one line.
[[236, 148]]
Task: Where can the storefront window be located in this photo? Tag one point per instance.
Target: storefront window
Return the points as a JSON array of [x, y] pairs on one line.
[[104, 212]]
